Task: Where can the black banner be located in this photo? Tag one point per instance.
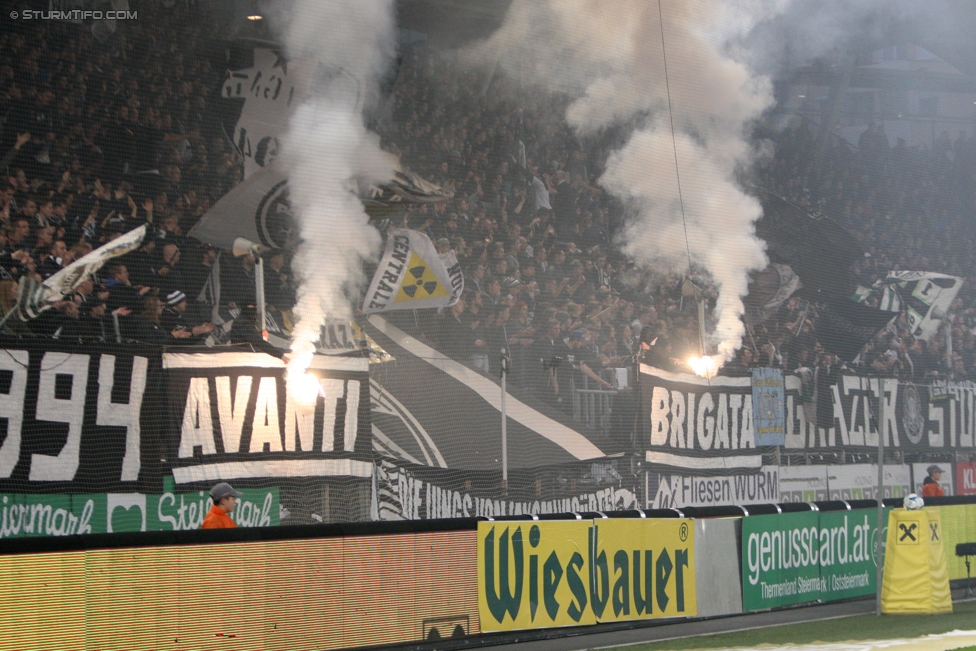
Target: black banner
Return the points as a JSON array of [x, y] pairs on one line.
[[443, 413], [933, 417], [706, 426], [234, 417], [403, 491], [697, 424], [79, 418]]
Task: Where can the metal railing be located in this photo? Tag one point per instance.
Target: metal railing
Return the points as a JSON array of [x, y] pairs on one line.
[[593, 406]]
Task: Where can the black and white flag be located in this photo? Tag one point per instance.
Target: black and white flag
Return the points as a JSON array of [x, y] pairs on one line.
[[258, 210], [413, 275], [33, 296], [926, 298], [270, 97]]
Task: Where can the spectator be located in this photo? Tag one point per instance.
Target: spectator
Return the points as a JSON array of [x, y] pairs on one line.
[[121, 293], [148, 328], [547, 355], [583, 361], [173, 319]]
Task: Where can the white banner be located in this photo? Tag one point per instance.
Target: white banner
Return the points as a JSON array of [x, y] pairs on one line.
[[678, 491], [778, 484], [803, 483], [412, 275]]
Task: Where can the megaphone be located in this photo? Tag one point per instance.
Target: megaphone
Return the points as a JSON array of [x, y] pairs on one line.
[[243, 246]]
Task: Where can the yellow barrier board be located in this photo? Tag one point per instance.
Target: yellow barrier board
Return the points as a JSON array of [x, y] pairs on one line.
[[915, 576], [649, 567], [570, 573], [958, 526], [534, 574]]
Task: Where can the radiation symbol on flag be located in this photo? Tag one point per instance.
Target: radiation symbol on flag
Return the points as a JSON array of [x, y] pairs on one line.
[[419, 282]]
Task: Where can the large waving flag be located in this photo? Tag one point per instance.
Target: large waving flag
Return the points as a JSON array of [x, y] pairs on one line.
[[269, 98], [413, 275], [926, 298], [259, 94], [259, 209], [33, 296]]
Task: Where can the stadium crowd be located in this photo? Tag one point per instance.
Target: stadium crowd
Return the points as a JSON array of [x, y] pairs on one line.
[[545, 281], [101, 137]]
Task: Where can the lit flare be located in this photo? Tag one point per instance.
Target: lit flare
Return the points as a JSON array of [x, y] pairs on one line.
[[304, 388], [705, 366]]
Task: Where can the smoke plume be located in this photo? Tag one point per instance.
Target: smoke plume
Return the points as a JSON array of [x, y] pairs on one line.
[[610, 55], [340, 49]]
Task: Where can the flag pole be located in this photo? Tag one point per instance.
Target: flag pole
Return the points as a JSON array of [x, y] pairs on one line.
[[259, 295], [504, 373], [879, 495], [948, 326]]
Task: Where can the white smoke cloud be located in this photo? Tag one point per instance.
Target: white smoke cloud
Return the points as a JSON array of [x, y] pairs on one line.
[[794, 32], [610, 55], [340, 49]]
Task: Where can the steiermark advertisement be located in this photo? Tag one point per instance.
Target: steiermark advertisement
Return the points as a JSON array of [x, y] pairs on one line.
[[26, 515], [797, 558]]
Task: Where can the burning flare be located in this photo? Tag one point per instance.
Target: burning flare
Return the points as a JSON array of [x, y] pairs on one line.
[[705, 366], [304, 387]]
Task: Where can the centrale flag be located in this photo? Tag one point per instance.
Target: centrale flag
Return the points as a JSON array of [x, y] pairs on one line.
[[412, 275]]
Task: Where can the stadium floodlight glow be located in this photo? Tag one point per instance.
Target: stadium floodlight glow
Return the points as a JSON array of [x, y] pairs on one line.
[[255, 17]]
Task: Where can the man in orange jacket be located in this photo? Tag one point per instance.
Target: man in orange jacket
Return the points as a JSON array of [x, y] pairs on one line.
[[930, 487], [224, 500]]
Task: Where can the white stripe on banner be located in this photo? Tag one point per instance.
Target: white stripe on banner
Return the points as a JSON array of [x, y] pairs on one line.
[[685, 378], [565, 437], [259, 360], [273, 468], [738, 462]]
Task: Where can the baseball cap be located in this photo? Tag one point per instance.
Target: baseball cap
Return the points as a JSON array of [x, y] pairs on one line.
[[222, 490], [443, 242], [933, 468], [578, 334]]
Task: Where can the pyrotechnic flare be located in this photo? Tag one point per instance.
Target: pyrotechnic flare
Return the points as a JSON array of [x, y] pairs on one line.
[[343, 48], [665, 67]]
